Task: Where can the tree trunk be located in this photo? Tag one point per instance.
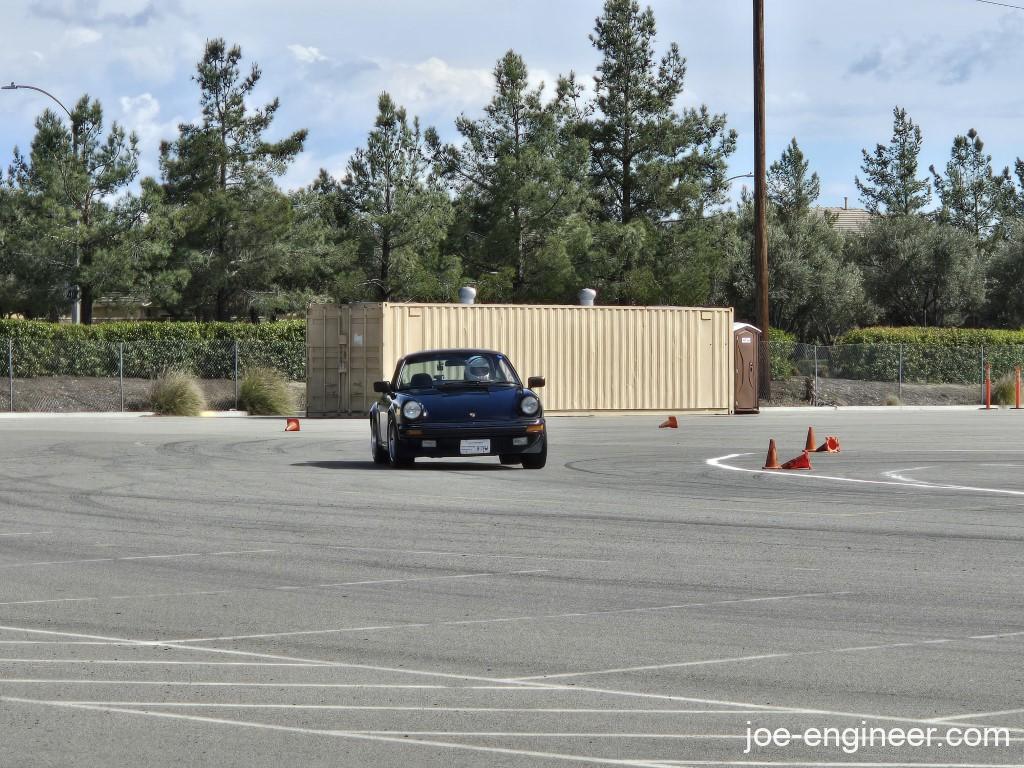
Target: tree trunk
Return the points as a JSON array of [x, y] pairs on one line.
[[385, 269], [221, 308], [85, 309]]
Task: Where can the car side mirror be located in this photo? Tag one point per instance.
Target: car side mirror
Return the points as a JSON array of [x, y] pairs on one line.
[[535, 381], [382, 386]]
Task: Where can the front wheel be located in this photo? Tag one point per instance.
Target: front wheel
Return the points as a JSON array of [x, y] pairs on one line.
[[536, 460], [380, 455], [395, 455]]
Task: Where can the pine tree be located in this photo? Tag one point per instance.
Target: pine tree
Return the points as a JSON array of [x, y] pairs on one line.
[[221, 170], [973, 197], [891, 184], [790, 189], [651, 164], [398, 210], [73, 230], [522, 175]]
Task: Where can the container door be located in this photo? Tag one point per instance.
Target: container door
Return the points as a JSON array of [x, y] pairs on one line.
[[322, 385], [746, 372]]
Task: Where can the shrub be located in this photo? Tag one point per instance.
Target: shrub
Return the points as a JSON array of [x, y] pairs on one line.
[[1004, 390], [266, 392], [781, 348], [176, 393], [892, 399]]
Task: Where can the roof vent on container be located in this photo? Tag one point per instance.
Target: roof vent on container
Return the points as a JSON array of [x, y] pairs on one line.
[[467, 295], [587, 296]]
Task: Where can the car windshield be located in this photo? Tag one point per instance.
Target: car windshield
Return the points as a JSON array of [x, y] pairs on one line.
[[442, 370]]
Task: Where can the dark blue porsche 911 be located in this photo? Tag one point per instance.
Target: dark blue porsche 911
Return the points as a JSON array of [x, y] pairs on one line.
[[458, 402]]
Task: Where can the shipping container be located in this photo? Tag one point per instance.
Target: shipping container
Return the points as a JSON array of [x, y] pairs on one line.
[[596, 359]]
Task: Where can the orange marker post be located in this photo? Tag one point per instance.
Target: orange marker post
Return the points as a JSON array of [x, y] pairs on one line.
[[1016, 393]]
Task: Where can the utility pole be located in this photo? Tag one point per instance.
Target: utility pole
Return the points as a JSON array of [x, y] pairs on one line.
[[760, 199]]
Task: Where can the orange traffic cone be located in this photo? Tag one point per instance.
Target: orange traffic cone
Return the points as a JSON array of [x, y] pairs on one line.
[[809, 445], [772, 460], [803, 461], [831, 445], [292, 425], [669, 423]]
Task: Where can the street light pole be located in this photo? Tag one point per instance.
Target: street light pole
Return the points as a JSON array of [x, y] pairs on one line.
[[76, 298]]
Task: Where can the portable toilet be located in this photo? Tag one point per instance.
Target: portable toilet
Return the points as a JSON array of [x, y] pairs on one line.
[[747, 346]]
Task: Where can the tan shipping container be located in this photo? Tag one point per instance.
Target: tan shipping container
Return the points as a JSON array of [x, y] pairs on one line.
[[595, 359]]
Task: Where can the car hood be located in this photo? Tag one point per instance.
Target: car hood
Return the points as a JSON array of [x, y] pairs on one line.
[[456, 404]]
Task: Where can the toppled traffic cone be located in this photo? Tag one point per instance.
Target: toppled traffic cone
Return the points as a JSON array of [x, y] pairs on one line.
[[809, 445], [292, 425], [831, 445], [669, 423], [772, 460], [803, 461]]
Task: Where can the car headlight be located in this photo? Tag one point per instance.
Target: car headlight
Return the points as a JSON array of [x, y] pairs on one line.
[[412, 410], [529, 405]]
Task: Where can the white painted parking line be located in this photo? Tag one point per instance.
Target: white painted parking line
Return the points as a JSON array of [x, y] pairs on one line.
[[26, 533], [765, 708], [825, 764], [975, 715], [346, 734], [511, 619], [283, 588], [138, 557], [779, 655], [244, 684], [468, 554], [164, 662], [394, 708], [899, 480]]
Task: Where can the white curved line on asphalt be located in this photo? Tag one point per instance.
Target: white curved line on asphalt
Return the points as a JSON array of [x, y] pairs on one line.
[[900, 480]]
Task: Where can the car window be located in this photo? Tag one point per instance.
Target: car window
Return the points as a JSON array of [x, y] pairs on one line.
[[442, 370]]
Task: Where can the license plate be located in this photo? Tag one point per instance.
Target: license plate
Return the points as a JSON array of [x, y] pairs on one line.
[[474, 447]]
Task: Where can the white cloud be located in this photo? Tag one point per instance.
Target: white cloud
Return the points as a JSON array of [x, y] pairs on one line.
[[79, 36], [307, 54], [141, 114]]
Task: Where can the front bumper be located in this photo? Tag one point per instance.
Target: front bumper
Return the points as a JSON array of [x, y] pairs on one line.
[[445, 440]]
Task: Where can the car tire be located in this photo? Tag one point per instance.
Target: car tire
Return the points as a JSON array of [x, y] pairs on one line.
[[395, 455], [380, 455], [536, 460], [510, 458]]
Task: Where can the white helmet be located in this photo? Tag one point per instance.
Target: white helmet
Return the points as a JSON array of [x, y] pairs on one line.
[[478, 369]]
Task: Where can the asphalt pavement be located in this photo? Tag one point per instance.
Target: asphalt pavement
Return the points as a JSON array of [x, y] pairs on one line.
[[220, 592]]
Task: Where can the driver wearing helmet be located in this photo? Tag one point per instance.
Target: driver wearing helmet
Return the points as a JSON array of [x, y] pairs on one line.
[[478, 369]]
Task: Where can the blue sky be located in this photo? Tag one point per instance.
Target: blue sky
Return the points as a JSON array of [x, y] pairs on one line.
[[835, 69]]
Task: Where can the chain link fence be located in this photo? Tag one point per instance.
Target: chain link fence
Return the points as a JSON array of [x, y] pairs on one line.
[[87, 375], [890, 374]]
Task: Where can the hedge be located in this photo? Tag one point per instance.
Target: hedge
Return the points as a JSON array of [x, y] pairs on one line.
[[930, 355], [206, 350]]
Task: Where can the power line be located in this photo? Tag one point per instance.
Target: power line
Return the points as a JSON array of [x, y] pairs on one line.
[[1002, 5]]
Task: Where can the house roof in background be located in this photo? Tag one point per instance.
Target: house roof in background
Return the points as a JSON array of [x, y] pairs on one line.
[[846, 220]]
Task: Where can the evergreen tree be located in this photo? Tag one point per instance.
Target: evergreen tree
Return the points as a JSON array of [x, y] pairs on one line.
[[71, 218], [891, 185], [522, 176], [221, 171], [972, 196], [790, 189], [398, 211], [651, 164]]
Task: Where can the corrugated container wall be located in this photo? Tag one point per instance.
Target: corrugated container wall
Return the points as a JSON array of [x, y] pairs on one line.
[[595, 359]]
